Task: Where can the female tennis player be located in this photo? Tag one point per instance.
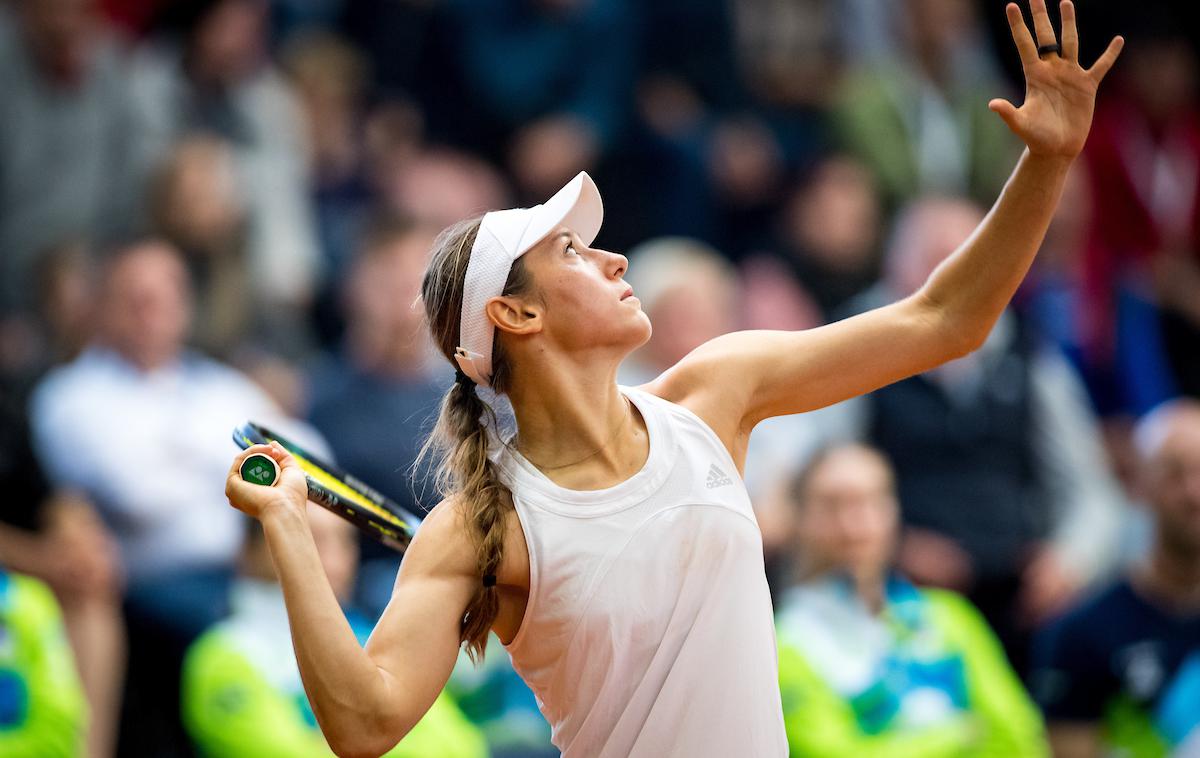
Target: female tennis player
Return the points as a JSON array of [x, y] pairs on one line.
[[610, 543]]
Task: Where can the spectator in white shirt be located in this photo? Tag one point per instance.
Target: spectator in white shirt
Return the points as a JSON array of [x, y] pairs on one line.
[[143, 425]]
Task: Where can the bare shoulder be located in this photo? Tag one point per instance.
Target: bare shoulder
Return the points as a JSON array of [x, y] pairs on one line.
[[705, 383], [446, 543]]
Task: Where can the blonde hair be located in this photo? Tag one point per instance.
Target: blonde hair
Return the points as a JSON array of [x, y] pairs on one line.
[[465, 424]]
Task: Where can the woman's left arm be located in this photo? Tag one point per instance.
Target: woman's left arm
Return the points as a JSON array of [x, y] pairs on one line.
[[739, 379]]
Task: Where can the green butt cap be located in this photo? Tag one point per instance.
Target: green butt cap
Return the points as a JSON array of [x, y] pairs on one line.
[[260, 469]]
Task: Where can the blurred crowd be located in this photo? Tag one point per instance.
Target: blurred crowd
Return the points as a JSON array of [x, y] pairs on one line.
[[220, 210]]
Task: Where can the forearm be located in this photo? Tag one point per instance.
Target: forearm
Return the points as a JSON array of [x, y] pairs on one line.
[[348, 692], [971, 288]]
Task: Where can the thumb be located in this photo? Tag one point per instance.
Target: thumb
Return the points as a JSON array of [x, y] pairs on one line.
[[1006, 111]]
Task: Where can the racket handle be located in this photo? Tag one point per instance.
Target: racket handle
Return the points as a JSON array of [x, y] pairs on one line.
[[260, 469]]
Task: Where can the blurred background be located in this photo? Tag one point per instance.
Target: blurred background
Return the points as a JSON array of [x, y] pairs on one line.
[[215, 210]]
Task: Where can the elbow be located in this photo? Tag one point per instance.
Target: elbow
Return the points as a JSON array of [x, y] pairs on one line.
[[366, 741], [957, 334], [964, 339], [361, 746]]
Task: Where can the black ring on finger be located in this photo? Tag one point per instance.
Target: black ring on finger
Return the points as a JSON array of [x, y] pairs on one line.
[[1052, 48]]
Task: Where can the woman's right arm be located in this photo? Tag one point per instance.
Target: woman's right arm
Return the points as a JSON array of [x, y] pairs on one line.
[[365, 700]]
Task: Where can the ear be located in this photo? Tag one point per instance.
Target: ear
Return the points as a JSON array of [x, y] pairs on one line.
[[514, 315]]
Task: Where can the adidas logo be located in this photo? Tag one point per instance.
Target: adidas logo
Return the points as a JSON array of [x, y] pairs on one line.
[[717, 478]]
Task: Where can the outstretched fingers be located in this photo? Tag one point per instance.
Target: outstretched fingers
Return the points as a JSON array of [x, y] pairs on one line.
[[1020, 34], [1105, 62], [1041, 23], [1070, 33]]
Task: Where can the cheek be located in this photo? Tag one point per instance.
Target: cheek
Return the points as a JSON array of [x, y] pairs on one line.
[[583, 310]]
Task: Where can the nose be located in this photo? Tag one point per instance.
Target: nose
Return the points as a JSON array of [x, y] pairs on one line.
[[616, 264]]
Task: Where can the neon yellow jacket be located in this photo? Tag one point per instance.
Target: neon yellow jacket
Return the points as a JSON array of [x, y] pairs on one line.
[[242, 695], [927, 679], [43, 713]]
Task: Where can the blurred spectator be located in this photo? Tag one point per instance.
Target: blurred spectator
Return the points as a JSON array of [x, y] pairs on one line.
[[690, 292], [58, 322], [66, 169], [792, 62], [439, 187], [1053, 297], [496, 699], [141, 425], [43, 713], [66, 296], [1004, 487], [381, 385], [195, 205], [920, 120], [330, 78], [56, 537], [242, 693], [1142, 255], [133, 17], [868, 663], [543, 85], [214, 77], [789, 51], [1120, 673], [829, 232]]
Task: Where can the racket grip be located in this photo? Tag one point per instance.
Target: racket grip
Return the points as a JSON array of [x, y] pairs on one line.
[[260, 469]]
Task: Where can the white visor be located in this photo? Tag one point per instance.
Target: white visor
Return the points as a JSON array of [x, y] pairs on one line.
[[503, 237]]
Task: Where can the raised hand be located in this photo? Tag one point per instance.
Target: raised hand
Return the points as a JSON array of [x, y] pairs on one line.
[[1059, 93]]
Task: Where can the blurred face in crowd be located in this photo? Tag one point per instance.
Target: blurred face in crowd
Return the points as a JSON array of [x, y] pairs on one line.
[[229, 42], [337, 544], [439, 187], [1163, 74], [834, 217], [197, 203], [1173, 482], [579, 295], [385, 283], [935, 26], [146, 304], [926, 233], [60, 34], [848, 514], [699, 306]]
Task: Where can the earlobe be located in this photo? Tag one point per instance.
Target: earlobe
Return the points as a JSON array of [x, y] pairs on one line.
[[514, 315]]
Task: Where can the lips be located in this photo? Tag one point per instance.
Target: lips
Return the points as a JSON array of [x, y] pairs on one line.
[[627, 294]]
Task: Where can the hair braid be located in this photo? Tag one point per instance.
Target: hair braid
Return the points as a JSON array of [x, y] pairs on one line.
[[461, 437]]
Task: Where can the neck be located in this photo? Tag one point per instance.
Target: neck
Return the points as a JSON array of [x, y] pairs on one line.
[[870, 590], [567, 414], [146, 360], [869, 586], [1173, 574]]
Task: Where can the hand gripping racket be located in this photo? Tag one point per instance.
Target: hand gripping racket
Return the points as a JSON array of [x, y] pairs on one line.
[[333, 488]]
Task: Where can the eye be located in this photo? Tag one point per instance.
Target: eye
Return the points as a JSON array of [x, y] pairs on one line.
[[571, 249]]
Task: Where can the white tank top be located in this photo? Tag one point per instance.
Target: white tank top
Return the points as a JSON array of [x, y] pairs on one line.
[[649, 630]]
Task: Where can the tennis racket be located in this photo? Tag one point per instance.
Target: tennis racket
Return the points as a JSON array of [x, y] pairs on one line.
[[340, 492]]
